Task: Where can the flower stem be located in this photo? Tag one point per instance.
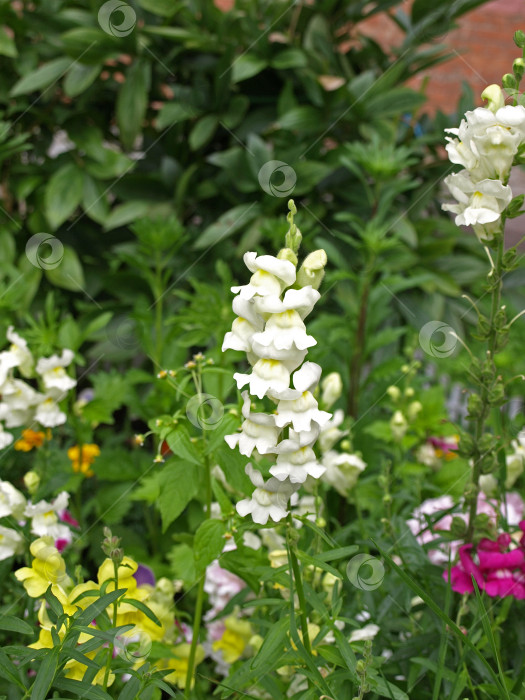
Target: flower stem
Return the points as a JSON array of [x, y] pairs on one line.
[[298, 581], [495, 277], [114, 624]]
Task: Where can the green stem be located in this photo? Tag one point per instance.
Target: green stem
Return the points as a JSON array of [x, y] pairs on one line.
[[298, 581], [496, 285], [356, 359], [114, 623]]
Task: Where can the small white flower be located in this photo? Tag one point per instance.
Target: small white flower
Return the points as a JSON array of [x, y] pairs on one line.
[[366, 633], [479, 205], [300, 413], [240, 337], [304, 379], [266, 375], [51, 369], [45, 518], [332, 388], [8, 360], [270, 276], [11, 542], [298, 440], [515, 462], [301, 300], [12, 502], [330, 434], [5, 438], [342, 470], [297, 466], [49, 414], [269, 500], [21, 352], [254, 436], [283, 332]]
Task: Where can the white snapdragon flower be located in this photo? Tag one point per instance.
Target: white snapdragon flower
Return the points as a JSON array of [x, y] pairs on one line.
[[297, 466], [12, 502], [515, 462], [332, 388], [487, 141], [269, 500], [45, 518], [11, 542], [270, 276], [283, 332], [5, 438], [366, 633], [18, 401], [301, 300], [48, 413], [300, 413], [330, 434], [240, 336], [21, 352], [53, 373], [342, 470], [258, 431], [8, 360], [267, 375]]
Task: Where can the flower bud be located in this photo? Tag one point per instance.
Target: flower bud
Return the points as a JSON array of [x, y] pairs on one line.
[[409, 392], [394, 393], [287, 254], [332, 386], [519, 39], [518, 68], [488, 484], [494, 97], [32, 482], [413, 410], [311, 271], [398, 425], [509, 82]]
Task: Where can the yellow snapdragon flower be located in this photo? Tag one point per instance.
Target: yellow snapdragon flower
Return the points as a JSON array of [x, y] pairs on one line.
[[47, 568], [179, 664], [235, 639]]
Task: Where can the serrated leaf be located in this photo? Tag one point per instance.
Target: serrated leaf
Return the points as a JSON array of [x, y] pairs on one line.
[[208, 544], [180, 485], [63, 194], [42, 77]]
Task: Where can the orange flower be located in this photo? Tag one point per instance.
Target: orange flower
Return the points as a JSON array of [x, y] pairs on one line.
[[31, 438], [83, 458]]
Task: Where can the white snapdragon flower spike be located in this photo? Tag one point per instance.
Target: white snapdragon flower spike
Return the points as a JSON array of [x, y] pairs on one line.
[[12, 502], [269, 500], [11, 543], [258, 431], [478, 202], [52, 370]]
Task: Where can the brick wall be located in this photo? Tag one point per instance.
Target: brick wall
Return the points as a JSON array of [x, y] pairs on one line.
[[482, 46]]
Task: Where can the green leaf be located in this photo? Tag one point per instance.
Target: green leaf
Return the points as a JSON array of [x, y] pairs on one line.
[[7, 44], [300, 119], [180, 485], [132, 101], [181, 445], [233, 463], [182, 563], [164, 8], [63, 194], [392, 102], [14, 624], [126, 213], [273, 646], [86, 691], [69, 273], [131, 688], [93, 611], [290, 58], [143, 609], [46, 674], [94, 200], [203, 131], [208, 543], [42, 77], [174, 113], [79, 77], [227, 224], [246, 66], [9, 671]]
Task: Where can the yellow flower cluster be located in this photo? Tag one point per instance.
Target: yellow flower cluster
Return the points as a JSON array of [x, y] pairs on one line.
[[30, 439], [48, 569], [83, 457]]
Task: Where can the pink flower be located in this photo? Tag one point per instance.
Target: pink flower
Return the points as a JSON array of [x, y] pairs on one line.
[[498, 570]]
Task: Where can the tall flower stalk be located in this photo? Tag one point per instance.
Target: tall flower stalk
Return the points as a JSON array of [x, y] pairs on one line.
[[488, 142], [270, 328]]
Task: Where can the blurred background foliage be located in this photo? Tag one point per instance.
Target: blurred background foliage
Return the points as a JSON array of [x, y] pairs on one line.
[[138, 141]]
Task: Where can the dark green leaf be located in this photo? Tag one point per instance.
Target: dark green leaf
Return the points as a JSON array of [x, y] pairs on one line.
[[42, 77], [180, 485], [208, 543], [63, 194], [46, 674], [132, 101], [14, 624]]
